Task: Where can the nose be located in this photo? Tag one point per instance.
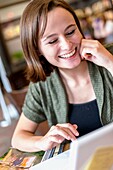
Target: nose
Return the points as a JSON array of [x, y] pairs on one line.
[[64, 43]]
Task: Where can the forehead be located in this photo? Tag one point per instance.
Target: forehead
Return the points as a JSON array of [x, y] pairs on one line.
[[56, 16]]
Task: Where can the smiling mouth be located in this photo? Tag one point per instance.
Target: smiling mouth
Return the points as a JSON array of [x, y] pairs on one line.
[[69, 55]]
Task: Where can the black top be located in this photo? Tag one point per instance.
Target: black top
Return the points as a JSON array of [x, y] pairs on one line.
[[86, 116]]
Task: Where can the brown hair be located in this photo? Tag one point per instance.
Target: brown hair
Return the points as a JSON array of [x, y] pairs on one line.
[[38, 68]]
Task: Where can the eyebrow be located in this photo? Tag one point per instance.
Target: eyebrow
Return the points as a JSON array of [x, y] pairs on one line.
[[51, 35]]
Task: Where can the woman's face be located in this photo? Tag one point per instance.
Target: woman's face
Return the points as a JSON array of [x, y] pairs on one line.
[[61, 40]]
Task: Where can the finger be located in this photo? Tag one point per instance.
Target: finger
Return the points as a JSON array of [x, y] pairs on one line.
[[69, 131], [62, 131], [72, 128], [90, 47], [88, 53], [90, 43], [50, 141], [56, 138]]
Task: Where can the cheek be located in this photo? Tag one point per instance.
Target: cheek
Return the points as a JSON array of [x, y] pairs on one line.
[[78, 37], [49, 52]]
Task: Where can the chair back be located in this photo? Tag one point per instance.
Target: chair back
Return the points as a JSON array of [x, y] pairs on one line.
[[16, 97]]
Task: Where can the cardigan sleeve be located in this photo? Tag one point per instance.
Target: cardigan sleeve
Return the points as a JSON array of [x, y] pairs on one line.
[[109, 47], [47, 100], [32, 107]]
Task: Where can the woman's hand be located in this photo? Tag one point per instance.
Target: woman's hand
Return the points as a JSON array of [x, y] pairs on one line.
[[95, 52], [57, 134]]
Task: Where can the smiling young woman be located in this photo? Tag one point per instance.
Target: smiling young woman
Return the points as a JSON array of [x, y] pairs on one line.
[[71, 78]]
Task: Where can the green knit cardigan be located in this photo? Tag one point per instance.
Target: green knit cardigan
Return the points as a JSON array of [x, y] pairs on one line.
[[48, 100]]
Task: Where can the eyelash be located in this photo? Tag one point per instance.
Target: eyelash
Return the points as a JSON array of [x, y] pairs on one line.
[[53, 41], [71, 32], [68, 34]]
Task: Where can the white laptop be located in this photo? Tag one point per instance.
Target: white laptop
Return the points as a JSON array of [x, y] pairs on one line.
[[80, 151], [83, 149]]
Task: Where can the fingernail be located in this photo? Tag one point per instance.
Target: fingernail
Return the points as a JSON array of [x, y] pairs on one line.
[[68, 137], [77, 134]]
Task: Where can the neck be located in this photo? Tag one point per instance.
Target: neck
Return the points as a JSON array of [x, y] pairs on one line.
[[77, 74]]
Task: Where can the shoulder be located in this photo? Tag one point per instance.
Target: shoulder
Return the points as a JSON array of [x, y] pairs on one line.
[[51, 81], [98, 72]]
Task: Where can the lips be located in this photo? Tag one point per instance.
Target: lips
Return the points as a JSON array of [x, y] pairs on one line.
[[65, 56]]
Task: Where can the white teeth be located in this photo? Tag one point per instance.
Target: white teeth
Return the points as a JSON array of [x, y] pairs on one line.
[[68, 55]]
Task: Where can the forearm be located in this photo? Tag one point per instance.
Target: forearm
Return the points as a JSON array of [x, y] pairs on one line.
[[24, 137], [26, 141]]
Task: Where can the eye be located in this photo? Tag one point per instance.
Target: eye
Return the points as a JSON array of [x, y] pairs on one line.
[[70, 32], [53, 41]]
